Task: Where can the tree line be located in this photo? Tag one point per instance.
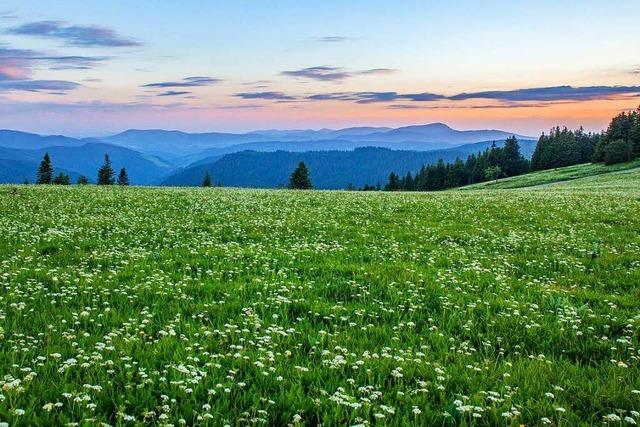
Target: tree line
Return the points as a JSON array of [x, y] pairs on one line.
[[493, 163], [561, 147], [106, 174]]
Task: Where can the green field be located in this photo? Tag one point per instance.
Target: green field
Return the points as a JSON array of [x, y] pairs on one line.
[[129, 306], [553, 176]]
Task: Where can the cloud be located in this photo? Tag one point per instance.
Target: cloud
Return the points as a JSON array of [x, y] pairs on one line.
[[186, 82], [174, 93], [37, 85], [74, 35], [333, 39], [241, 107], [17, 64], [324, 73], [373, 97], [5, 14], [509, 99], [274, 96], [469, 107], [557, 93]]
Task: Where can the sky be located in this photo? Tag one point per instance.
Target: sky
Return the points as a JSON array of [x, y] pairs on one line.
[[95, 68]]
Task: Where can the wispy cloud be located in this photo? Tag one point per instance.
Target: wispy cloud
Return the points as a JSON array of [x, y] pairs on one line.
[[325, 73], [373, 97], [333, 39], [18, 63], [508, 98], [186, 82], [174, 93], [556, 93], [274, 96], [241, 107], [75, 35], [37, 85], [5, 14]]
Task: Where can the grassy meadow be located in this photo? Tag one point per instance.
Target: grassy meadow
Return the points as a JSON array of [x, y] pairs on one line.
[[169, 306], [562, 175]]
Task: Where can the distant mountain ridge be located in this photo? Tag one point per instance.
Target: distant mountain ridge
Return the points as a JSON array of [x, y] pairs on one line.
[[421, 137], [329, 169], [152, 156]]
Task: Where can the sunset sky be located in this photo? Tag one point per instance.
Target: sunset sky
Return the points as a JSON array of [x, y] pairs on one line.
[[93, 68]]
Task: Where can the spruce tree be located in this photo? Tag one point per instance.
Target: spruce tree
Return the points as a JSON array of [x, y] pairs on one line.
[[300, 179], [62, 179], [513, 163], [105, 173], [393, 184], [82, 180], [45, 171], [618, 151], [123, 178], [206, 182]]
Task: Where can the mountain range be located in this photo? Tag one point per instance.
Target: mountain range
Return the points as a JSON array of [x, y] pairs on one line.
[[154, 157]]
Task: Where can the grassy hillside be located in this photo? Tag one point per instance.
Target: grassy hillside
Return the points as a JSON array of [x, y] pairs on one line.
[[221, 306], [553, 176]]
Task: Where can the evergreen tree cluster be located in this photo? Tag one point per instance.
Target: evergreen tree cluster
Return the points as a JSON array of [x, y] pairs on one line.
[[621, 141], [106, 175], [563, 147], [495, 162]]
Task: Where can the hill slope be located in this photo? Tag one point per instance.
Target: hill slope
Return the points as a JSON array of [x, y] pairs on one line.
[[557, 176]]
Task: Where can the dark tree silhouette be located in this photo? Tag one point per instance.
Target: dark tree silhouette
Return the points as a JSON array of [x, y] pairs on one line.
[[105, 173], [206, 182], [45, 171], [62, 179], [300, 179], [123, 178]]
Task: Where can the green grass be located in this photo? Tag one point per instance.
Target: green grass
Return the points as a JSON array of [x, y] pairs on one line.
[[198, 306], [553, 176]]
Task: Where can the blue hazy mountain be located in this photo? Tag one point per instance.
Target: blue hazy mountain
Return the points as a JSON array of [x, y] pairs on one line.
[[152, 156], [143, 169], [31, 141], [182, 148], [329, 169]]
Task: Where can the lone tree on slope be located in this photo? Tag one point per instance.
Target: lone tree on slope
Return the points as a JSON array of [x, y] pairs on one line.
[[493, 172], [123, 178], [45, 171], [300, 179], [105, 173], [206, 182]]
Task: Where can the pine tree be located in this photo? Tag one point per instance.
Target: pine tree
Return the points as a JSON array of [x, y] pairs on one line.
[[618, 151], [393, 184], [634, 134], [62, 179], [206, 182], [300, 179], [45, 171], [512, 162], [123, 178], [106, 173], [82, 180]]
